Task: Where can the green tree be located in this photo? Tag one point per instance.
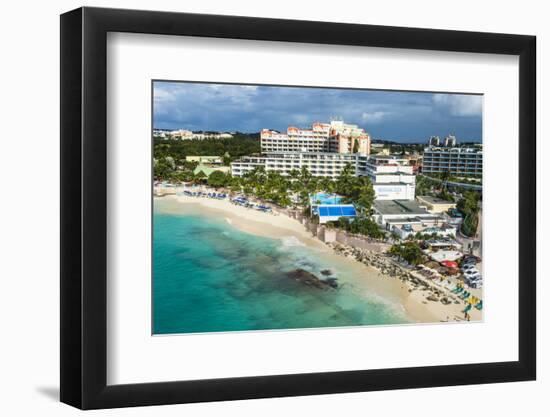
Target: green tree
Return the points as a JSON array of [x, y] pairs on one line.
[[217, 179], [327, 184], [161, 169], [226, 159], [363, 225], [409, 251], [345, 180], [200, 177], [355, 190], [363, 194], [469, 205]]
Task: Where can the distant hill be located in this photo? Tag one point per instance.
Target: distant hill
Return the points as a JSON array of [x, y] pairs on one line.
[[239, 145]]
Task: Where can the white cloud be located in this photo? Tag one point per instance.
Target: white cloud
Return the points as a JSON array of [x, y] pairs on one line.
[[374, 116], [160, 94], [459, 105]]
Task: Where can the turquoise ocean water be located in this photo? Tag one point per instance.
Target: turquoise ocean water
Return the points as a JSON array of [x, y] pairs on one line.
[[210, 277]]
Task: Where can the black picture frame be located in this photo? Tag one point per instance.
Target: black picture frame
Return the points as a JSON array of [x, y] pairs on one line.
[[84, 207]]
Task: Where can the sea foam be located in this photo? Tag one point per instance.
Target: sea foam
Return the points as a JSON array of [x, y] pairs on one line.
[[291, 241]]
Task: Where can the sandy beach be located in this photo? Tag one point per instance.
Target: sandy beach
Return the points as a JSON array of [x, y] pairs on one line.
[[274, 225]]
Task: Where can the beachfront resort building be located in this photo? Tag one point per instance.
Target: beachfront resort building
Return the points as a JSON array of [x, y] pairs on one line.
[[392, 177], [319, 164], [458, 161], [333, 137]]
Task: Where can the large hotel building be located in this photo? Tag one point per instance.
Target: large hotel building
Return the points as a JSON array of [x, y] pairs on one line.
[[325, 150], [392, 178], [456, 161], [334, 137]]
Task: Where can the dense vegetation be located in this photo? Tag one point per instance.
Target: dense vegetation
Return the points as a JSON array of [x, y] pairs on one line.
[[408, 251], [425, 185], [169, 155], [401, 148], [469, 206], [463, 178], [170, 169], [273, 187], [355, 190], [239, 145], [362, 225], [431, 187]]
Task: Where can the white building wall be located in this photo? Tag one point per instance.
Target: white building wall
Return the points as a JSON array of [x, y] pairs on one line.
[[394, 191]]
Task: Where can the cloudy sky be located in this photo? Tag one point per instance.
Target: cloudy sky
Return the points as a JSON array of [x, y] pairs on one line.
[[399, 116]]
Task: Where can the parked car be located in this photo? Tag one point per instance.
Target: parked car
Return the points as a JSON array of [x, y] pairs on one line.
[[476, 284], [468, 267], [472, 258], [473, 277], [471, 272]]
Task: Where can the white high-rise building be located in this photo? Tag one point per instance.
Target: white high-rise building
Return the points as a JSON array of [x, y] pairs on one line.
[[433, 141], [456, 161], [392, 178], [450, 141]]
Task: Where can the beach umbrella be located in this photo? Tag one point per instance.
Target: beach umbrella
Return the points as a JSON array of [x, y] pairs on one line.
[[449, 264]]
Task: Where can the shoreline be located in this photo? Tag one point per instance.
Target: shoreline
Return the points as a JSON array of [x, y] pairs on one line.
[[420, 300]]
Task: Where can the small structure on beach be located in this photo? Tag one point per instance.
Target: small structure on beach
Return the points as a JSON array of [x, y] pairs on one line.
[[435, 204], [390, 213], [329, 207], [446, 255], [332, 212]]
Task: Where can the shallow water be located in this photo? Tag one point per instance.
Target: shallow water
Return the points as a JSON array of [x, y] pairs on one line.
[[209, 276]]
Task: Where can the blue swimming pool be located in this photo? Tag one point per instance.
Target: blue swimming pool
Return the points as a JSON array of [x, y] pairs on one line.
[[326, 198]]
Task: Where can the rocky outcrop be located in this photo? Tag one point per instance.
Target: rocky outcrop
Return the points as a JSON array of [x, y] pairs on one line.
[[311, 280], [388, 267]]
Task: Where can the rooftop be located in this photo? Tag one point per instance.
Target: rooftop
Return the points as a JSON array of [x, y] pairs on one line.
[[433, 200], [210, 169], [337, 210], [469, 150], [378, 159], [406, 207]]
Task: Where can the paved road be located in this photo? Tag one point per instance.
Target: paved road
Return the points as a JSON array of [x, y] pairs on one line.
[[456, 184]]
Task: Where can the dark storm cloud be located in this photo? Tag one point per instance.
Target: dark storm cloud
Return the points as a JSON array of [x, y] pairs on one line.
[[400, 116]]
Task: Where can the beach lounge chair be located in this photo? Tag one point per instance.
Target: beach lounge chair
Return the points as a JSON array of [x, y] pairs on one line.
[[465, 295]]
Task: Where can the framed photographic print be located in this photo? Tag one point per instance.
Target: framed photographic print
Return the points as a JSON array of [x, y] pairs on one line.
[[257, 208]]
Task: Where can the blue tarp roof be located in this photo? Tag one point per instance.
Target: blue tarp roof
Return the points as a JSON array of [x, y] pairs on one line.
[[337, 211]]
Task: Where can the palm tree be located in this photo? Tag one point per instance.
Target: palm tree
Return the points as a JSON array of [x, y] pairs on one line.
[[363, 194], [344, 181], [327, 184], [394, 237], [445, 177], [200, 177]]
